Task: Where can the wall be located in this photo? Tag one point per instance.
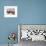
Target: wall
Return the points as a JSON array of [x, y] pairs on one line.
[[29, 12]]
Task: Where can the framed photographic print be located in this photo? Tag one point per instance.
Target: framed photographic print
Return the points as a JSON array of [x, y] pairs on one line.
[[10, 11]]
